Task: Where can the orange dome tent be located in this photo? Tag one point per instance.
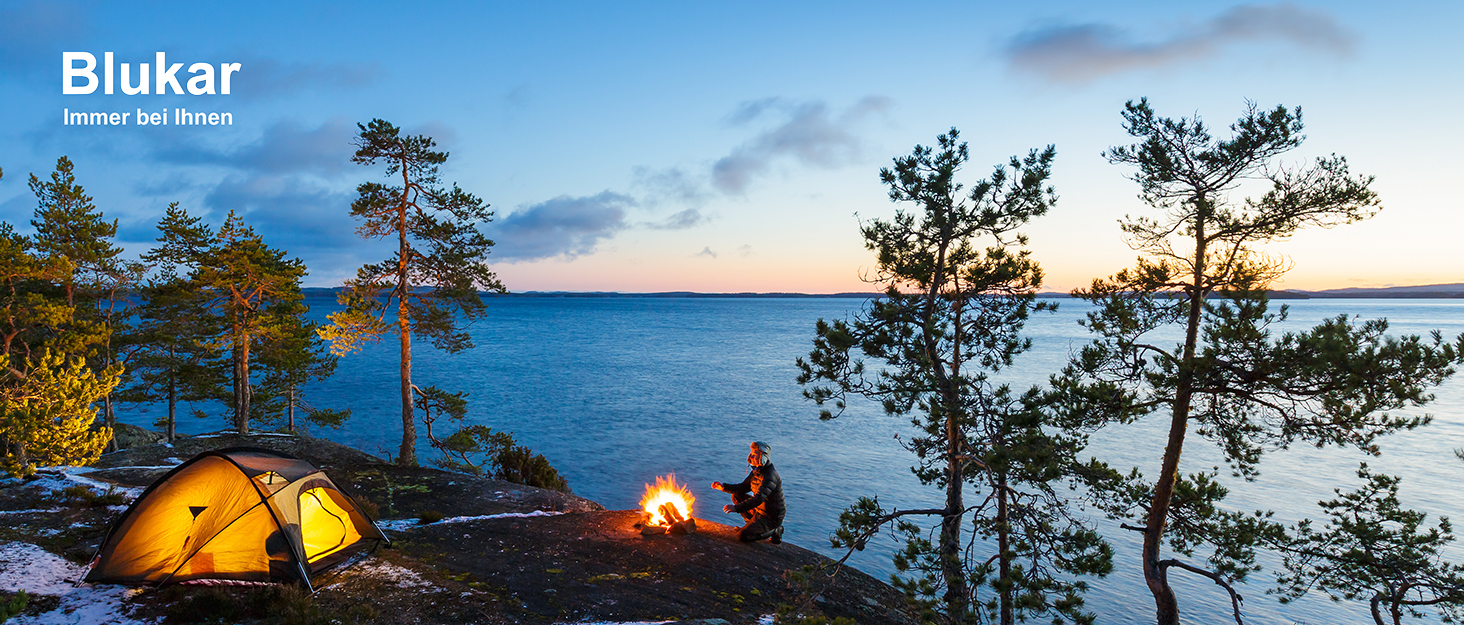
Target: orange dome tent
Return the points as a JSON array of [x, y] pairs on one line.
[[239, 514]]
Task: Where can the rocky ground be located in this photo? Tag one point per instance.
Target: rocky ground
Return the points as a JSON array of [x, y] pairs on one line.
[[495, 553]]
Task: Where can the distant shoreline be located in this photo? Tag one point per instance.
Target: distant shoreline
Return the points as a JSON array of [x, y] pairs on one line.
[[1437, 291]]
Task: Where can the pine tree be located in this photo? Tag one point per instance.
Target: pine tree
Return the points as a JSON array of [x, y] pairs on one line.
[[68, 225], [242, 279], [1230, 379], [951, 315], [292, 356], [1372, 548], [171, 359], [435, 276]]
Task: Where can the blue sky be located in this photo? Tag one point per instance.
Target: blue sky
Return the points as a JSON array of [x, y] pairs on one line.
[[729, 147]]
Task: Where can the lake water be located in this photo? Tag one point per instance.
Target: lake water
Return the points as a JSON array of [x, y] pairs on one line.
[[616, 391]]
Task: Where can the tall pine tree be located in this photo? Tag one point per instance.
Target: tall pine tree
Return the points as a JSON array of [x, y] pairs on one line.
[[1230, 379], [958, 288], [432, 283]]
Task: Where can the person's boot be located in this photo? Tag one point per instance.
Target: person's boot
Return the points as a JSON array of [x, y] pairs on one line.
[[777, 536]]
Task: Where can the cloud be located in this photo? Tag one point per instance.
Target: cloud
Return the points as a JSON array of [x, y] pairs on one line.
[[563, 226], [285, 147], [811, 134], [671, 185], [744, 251], [268, 78], [1084, 52], [707, 251], [291, 212], [689, 218]]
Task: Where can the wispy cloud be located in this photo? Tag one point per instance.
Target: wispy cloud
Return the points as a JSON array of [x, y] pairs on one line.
[[706, 251], [670, 185], [809, 133], [285, 147], [561, 227], [1083, 52], [294, 212], [689, 218]]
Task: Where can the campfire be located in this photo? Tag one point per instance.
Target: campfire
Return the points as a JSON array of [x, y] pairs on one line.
[[667, 507]]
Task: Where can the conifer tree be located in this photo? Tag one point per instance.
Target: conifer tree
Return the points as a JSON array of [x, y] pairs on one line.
[[68, 225], [958, 288], [242, 279], [1372, 548], [432, 282], [292, 356], [172, 358], [47, 414], [1231, 379]]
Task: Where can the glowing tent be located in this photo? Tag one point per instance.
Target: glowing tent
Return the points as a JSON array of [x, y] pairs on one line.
[[240, 514]]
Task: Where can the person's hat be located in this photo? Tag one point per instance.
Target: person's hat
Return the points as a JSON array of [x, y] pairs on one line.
[[763, 449]]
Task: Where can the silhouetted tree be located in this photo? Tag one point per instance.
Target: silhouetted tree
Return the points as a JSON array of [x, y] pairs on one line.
[[1371, 548], [436, 274], [1230, 378], [951, 315]]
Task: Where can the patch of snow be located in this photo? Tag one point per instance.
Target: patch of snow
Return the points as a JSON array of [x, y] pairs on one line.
[[767, 619], [165, 443], [402, 525], [24, 566], [614, 622], [77, 475], [401, 576], [505, 515], [32, 511]]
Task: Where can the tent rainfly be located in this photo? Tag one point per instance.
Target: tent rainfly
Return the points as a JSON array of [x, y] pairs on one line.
[[238, 514]]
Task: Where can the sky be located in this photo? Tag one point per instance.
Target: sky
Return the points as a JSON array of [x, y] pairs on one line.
[[731, 147]]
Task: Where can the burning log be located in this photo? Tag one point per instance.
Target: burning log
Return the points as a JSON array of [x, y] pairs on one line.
[[670, 513], [667, 507]]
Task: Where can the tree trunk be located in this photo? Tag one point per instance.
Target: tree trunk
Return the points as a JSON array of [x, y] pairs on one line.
[[290, 411], [950, 543], [171, 427], [1004, 557], [109, 419], [241, 383], [407, 457], [1165, 604], [17, 451]]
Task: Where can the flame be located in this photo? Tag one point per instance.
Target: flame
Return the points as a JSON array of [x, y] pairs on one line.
[[666, 491]]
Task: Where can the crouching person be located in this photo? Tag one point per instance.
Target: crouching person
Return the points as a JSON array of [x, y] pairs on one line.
[[759, 498]]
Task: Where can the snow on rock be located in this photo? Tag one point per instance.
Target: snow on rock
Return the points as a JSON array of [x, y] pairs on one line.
[[24, 566], [403, 577], [402, 525], [70, 476], [616, 623]]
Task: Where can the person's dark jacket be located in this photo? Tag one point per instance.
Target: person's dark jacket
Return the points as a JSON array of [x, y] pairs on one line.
[[766, 490]]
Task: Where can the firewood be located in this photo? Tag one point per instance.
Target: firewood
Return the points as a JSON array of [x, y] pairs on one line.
[[684, 527], [652, 530]]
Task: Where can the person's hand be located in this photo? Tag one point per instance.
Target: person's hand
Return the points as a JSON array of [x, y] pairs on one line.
[[717, 485], [728, 509]]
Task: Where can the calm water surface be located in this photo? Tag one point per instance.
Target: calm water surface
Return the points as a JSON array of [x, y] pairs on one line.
[[615, 391]]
